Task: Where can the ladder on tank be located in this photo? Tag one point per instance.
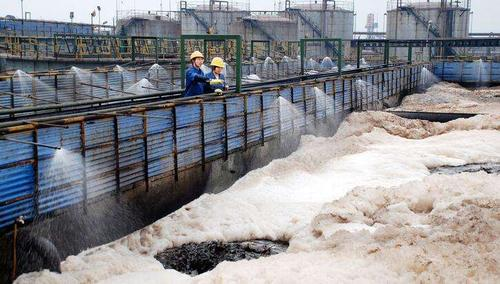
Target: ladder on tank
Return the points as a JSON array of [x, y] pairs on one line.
[[421, 18], [257, 25], [313, 26], [197, 18]]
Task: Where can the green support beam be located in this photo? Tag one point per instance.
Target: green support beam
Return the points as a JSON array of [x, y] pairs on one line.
[[303, 53], [268, 46], [206, 38]]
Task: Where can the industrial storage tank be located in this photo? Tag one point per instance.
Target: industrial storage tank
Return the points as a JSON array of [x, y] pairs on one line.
[[148, 23], [216, 17], [427, 20], [323, 19]]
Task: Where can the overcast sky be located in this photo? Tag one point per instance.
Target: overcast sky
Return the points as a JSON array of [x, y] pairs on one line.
[[486, 16]]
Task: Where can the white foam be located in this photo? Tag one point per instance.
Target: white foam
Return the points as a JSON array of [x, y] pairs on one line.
[[374, 156]]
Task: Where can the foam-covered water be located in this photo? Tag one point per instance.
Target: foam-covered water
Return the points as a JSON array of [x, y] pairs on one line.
[[358, 206]]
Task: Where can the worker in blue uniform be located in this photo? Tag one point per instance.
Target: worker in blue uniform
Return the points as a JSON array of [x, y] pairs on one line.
[[198, 83], [217, 66]]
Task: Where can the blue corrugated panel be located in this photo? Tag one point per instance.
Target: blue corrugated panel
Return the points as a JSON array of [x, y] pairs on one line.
[[495, 72], [188, 135], [298, 103], [485, 72], [130, 131], [286, 110], [329, 87], [235, 123], [60, 172], [329, 102], [160, 143], [4, 87], [310, 104], [100, 157], [9, 213], [22, 151], [214, 130], [17, 180], [254, 118], [470, 72], [347, 94], [452, 71], [271, 118]]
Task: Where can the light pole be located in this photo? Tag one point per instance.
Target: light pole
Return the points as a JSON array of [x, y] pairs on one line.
[[355, 22], [92, 15], [471, 20], [99, 19], [22, 18], [384, 27], [71, 16]]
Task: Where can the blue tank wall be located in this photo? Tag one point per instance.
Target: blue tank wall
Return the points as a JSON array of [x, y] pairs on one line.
[[471, 72]]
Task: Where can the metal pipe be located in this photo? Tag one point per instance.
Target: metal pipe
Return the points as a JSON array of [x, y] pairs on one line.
[[104, 88], [132, 115], [27, 96], [35, 123], [30, 143]]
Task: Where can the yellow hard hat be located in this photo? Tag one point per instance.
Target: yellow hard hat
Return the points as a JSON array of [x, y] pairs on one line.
[[217, 62], [196, 54]]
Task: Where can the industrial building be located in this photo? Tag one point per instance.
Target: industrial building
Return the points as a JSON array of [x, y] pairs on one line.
[[427, 20]]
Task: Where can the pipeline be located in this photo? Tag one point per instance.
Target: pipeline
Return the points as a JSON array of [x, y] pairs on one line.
[[175, 95]]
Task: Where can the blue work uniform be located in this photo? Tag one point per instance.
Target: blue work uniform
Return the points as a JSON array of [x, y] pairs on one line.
[[222, 86], [196, 82]]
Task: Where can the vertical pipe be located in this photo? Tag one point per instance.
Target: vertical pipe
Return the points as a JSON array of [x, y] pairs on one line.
[[106, 79], [261, 97], [33, 89], [133, 54], [343, 94], [302, 54], [12, 99], [238, 64], [183, 63], [383, 85], [334, 84], [146, 152], [174, 137], [117, 156], [351, 93], [36, 193], [251, 48], [304, 102], [410, 53], [340, 58], [74, 88], [226, 139], [358, 55], [91, 81], [84, 164], [202, 135], [156, 50], [56, 83], [245, 120]]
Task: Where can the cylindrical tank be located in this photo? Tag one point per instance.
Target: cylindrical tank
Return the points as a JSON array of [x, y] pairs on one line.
[[148, 24], [333, 19], [218, 16], [427, 20]]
